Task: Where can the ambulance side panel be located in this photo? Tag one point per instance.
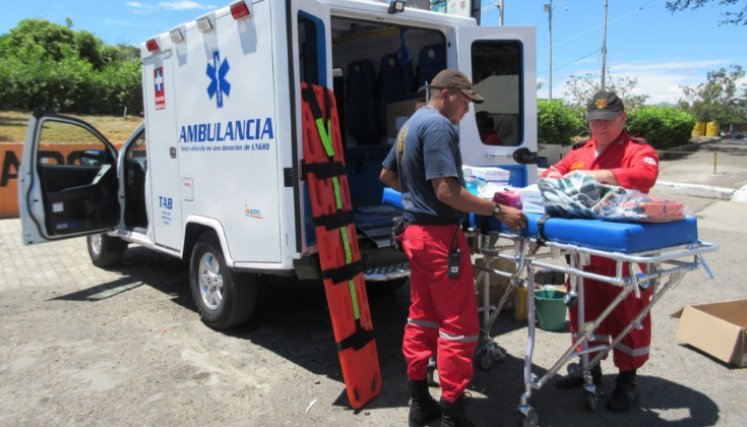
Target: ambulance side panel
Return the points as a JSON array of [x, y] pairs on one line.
[[227, 134]]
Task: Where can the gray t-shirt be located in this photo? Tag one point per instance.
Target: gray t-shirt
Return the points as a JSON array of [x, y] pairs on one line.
[[431, 150]]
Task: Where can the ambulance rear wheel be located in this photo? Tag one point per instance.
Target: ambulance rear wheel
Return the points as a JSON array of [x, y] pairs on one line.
[[105, 251], [224, 298]]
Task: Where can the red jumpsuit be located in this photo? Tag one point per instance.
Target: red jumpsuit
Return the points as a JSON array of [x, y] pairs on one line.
[[635, 166]]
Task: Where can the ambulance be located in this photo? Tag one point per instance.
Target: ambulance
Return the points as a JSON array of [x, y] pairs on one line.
[[215, 174]]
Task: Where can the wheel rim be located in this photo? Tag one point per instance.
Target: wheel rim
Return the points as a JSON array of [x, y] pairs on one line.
[[211, 281], [96, 243]]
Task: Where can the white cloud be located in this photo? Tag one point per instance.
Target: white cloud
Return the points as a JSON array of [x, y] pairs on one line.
[[134, 4], [183, 5]]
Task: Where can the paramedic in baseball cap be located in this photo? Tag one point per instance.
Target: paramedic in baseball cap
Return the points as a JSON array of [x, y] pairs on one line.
[[453, 79], [611, 156]]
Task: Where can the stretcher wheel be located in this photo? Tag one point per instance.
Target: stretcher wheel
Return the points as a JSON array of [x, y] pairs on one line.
[[529, 417], [591, 400]]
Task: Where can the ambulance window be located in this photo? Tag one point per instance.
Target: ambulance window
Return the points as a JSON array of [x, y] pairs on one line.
[[496, 73], [311, 49], [64, 143]]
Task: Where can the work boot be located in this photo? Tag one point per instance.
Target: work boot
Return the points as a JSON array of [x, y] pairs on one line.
[[574, 381], [624, 396], [452, 414], [423, 408]]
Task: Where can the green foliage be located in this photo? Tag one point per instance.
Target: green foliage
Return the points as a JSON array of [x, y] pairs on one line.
[[49, 67], [722, 98], [557, 122], [662, 126], [732, 16]]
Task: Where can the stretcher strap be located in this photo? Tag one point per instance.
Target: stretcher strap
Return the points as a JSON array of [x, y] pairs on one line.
[[541, 238], [325, 170], [344, 273], [358, 339], [335, 220]]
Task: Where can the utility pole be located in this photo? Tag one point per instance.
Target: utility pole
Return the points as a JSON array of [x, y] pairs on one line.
[[500, 8], [548, 9], [604, 45]]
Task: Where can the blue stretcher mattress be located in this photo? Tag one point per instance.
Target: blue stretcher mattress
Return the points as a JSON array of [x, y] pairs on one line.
[[610, 236]]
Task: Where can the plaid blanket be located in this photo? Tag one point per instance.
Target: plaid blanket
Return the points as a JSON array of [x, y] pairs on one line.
[[580, 196]]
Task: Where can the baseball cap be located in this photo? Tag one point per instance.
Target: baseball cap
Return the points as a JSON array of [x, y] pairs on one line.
[[604, 106], [456, 80]]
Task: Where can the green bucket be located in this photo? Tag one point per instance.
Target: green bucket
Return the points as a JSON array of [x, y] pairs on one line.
[[550, 309]]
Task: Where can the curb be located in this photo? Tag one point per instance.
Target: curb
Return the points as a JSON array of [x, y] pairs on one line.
[[697, 190]]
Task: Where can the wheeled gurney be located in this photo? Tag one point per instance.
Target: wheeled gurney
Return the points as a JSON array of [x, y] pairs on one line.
[[667, 250]]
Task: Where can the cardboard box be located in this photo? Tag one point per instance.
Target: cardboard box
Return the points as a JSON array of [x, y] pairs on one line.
[[717, 329], [397, 114]]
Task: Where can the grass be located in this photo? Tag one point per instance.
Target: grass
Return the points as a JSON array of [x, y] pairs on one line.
[[115, 128]]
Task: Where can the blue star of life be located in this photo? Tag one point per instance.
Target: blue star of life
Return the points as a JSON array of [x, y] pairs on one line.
[[218, 84]]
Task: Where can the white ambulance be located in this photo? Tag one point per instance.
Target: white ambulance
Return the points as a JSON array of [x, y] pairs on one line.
[[214, 176]]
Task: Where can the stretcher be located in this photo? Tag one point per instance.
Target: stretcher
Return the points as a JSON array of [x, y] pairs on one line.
[[666, 250], [562, 246]]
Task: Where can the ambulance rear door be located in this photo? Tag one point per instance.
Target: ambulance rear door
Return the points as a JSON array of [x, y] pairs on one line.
[[502, 131], [163, 191]]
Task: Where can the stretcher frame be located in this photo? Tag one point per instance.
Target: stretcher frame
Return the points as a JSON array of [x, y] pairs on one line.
[[665, 269]]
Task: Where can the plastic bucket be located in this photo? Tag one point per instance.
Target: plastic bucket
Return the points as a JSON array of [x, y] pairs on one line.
[[550, 309], [520, 308]]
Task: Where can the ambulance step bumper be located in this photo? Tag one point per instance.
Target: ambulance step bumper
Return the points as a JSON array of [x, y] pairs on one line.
[[387, 272]]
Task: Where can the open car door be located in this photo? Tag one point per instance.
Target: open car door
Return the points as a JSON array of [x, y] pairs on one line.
[[68, 180]]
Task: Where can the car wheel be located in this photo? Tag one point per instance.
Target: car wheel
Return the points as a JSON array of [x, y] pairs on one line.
[[105, 251], [224, 298]]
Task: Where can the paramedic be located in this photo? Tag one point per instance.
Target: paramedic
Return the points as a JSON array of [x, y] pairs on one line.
[[612, 157], [442, 317]]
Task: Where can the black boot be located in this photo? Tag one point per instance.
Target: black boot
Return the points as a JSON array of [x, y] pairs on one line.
[[423, 407], [573, 381], [624, 396], [452, 414]]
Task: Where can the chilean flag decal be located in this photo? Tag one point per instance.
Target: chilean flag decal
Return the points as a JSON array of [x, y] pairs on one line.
[[159, 88]]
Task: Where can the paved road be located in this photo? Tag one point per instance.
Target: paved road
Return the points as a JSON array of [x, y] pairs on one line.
[[84, 346]]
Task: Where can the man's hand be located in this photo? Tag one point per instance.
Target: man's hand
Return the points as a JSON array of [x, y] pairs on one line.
[[514, 219]]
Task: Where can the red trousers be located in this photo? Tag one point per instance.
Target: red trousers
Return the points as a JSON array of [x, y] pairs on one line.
[[632, 352], [443, 311]]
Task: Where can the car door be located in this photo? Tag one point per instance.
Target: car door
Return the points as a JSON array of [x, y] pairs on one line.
[[68, 180]]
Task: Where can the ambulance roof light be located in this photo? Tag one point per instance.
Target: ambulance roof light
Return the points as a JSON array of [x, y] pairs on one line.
[[204, 24], [176, 35], [240, 10], [152, 45]]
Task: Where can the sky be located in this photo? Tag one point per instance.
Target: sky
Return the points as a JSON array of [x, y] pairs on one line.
[[662, 50]]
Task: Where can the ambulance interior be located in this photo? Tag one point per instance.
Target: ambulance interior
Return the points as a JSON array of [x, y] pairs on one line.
[[379, 73]]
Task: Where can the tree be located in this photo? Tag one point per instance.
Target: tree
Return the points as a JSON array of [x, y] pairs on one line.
[[732, 17], [580, 89], [722, 98]]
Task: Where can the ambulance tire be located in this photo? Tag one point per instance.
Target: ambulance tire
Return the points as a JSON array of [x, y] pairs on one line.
[[224, 298], [105, 251]]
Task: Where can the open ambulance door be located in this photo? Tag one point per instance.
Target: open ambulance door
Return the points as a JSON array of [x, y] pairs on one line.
[[68, 180], [312, 51], [502, 131]]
